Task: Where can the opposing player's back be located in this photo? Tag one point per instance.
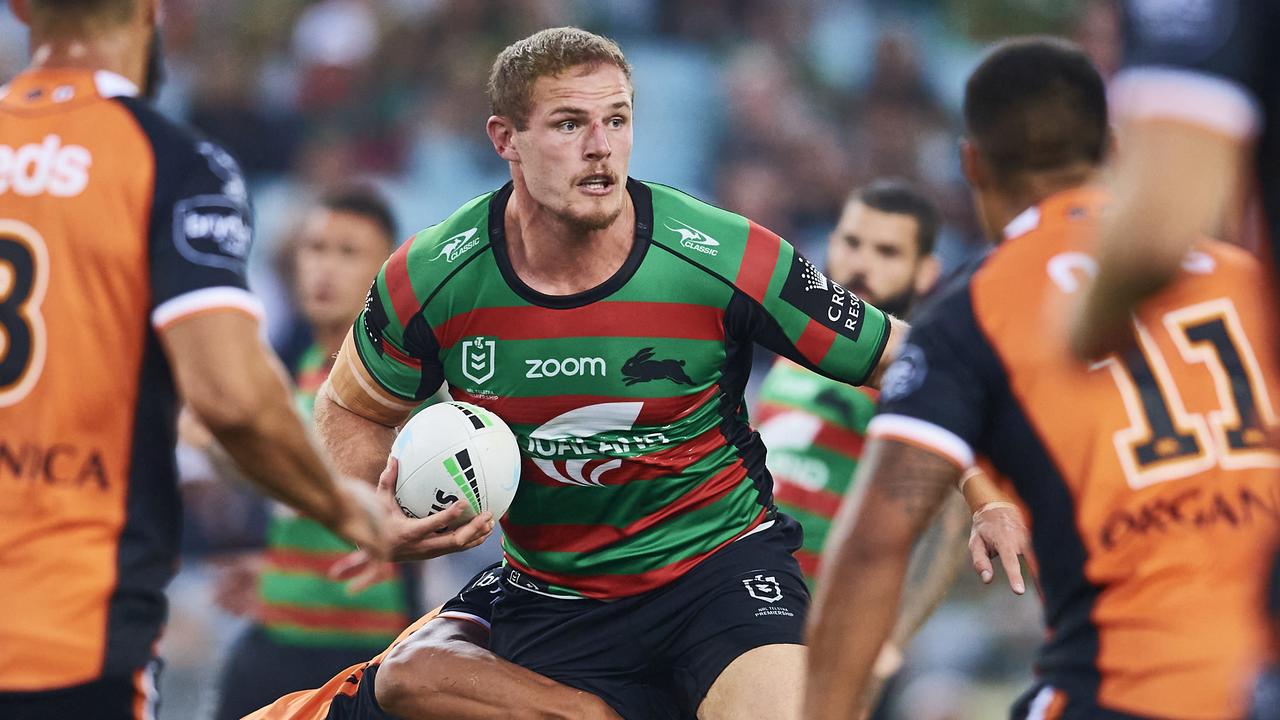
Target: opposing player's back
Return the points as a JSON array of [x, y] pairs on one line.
[[1148, 476], [113, 222]]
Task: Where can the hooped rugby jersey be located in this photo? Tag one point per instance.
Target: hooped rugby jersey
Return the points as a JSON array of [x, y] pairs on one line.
[[814, 428], [627, 399], [114, 223], [299, 603], [1149, 476]]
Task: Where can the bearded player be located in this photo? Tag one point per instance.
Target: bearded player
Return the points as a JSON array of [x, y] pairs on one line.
[[610, 323], [1148, 475]]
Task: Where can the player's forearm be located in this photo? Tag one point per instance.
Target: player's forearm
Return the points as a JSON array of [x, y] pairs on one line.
[[897, 335], [274, 451], [357, 446], [852, 616], [936, 559], [458, 680]]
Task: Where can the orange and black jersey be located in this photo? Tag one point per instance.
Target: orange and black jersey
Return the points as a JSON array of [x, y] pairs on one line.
[[114, 223], [1149, 475]]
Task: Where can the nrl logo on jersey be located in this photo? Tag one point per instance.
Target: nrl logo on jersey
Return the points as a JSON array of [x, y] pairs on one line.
[[453, 248], [478, 359], [695, 239]]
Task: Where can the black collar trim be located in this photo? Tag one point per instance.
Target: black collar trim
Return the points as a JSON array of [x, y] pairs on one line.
[[641, 199]]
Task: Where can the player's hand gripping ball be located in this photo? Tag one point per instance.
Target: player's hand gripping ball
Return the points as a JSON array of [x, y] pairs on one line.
[[455, 452]]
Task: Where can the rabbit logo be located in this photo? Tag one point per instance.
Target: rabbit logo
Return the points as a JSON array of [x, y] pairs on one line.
[[641, 367]]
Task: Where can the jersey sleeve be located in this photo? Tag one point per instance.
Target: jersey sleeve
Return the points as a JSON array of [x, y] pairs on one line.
[[788, 305], [401, 354], [938, 392], [201, 224], [1202, 62], [475, 601]]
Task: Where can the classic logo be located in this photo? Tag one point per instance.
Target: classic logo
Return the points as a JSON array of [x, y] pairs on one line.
[[478, 359], [641, 367], [763, 588], [813, 293], [458, 244], [695, 239]]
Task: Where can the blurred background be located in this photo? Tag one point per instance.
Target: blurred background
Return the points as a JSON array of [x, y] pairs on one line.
[[772, 109]]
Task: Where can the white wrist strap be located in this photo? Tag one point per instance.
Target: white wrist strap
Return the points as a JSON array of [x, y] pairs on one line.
[[968, 475], [995, 505]]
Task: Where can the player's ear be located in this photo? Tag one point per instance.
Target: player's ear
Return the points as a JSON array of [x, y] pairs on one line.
[[502, 134], [975, 171], [21, 10], [927, 274]]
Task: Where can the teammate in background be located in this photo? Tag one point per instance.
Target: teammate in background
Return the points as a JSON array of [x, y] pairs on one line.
[[122, 247], [1198, 111], [814, 427], [304, 624], [881, 249], [610, 322], [439, 668], [1147, 475]]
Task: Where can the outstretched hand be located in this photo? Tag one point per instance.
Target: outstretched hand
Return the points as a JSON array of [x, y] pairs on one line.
[[998, 530], [410, 538]]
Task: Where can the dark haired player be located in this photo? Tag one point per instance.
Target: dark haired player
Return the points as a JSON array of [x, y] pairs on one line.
[[610, 323], [305, 624], [1148, 480], [123, 240], [1198, 110]]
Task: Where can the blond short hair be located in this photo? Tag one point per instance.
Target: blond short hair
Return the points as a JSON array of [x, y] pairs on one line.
[[546, 53]]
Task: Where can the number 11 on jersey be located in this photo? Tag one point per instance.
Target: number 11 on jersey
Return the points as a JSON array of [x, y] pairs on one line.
[[1166, 442]]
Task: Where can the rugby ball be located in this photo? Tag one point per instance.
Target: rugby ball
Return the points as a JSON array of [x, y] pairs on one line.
[[456, 452]]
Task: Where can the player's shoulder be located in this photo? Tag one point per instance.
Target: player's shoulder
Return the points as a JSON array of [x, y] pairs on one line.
[[180, 150], [433, 255], [707, 236]]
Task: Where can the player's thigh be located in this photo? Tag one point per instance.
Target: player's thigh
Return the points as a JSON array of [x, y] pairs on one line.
[[765, 683], [747, 597]]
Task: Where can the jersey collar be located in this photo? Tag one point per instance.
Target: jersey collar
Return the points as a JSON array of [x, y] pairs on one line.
[[1083, 201], [111, 85]]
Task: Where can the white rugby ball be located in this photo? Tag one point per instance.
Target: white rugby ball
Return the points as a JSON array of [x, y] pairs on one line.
[[456, 452]]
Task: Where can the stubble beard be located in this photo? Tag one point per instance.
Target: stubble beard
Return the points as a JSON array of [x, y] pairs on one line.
[[590, 222]]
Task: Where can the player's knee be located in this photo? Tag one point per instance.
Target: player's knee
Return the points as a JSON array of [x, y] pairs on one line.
[[405, 674]]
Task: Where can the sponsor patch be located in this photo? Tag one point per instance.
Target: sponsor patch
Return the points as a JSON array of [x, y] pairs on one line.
[[815, 295], [212, 230], [905, 375]]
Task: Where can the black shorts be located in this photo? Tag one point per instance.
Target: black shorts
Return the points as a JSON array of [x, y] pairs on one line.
[[656, 655], [131, 697], [1045, 702]]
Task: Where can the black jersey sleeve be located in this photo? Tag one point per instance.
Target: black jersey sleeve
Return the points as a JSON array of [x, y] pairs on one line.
[[201, 227], [938, 393], [475, 601]]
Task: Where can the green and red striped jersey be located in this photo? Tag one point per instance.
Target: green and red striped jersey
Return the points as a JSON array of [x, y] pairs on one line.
[[627, 399], [814, 428], [298, 603]]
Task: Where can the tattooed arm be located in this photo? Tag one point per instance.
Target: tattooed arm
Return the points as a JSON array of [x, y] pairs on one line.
[[899, 490]]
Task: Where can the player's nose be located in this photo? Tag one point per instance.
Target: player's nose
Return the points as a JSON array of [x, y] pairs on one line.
[[597, 142]]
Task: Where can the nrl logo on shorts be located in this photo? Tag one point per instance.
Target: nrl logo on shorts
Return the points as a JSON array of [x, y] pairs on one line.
[[478, 359], [764, 588], [458, 244]]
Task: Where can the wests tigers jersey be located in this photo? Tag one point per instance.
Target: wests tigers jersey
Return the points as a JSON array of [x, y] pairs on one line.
[[1149, 476], [627, 399], [114, 223]]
